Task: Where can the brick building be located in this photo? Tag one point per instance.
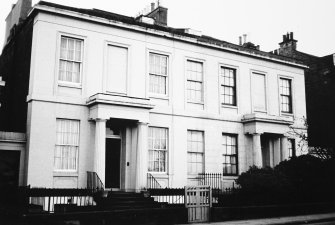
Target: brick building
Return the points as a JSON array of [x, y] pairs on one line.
[[320, 92]]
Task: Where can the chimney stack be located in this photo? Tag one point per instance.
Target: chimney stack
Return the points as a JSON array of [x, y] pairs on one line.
[[18, 14], [158, 13], [244, 38], [288, 44]]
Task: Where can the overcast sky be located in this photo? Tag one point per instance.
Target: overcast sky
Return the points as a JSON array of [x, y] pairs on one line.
[[264, 21]]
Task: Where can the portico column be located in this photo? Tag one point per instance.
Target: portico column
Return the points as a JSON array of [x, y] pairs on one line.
[[100, 148], [141, 155], [284, 149], [257, 150], [277, 151]]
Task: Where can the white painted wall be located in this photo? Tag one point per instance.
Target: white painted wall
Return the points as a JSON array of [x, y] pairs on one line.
[[48, 100]]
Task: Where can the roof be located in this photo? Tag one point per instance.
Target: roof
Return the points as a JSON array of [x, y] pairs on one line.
[[174, 33]]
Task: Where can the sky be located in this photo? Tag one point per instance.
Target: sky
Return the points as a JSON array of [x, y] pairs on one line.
[[264, 21]]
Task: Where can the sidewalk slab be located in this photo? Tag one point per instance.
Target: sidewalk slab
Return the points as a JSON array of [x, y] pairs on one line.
[[280, 220]]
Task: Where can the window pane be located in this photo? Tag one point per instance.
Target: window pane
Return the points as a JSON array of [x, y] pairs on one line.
[[195, 152], [70, 60], [158, 73], [194, 85], [229, 154], [228, 87], [158, 140], [67, 144], [285, 95]]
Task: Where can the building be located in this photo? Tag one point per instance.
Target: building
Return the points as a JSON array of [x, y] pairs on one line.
[[320, 92], [131, 98]]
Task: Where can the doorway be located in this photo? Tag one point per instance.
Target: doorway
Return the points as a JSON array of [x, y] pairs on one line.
[[113, 159], [9, 168]]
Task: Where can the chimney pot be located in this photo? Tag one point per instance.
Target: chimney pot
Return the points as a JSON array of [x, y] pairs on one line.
[[244, 38], [240, 40], [291, 35], [152, 6]]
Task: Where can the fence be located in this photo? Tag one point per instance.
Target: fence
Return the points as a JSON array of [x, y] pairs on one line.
[[58, 200], [214, 180], [168, 195]]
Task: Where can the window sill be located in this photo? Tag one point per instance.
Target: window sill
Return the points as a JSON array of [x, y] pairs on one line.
[[65, 174], [163, 97], [196, 103], [286, 114], [260, 111], [69, 85], [228, 106]]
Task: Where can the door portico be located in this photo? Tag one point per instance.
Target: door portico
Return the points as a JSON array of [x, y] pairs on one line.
[[130, 117]]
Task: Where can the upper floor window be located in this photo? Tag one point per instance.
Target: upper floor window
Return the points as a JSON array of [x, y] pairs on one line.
[[258, 85], [286, 95], [67, 145], [158, 148], [158, 73], [195, 152], [228, 86], [229, 145], [194, 75], [70, 60]]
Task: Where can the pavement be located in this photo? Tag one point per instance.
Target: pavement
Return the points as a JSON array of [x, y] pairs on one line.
[[305, 219]]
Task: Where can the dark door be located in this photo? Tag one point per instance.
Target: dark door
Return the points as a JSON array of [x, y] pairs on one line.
[[9, 168], [113, 147]]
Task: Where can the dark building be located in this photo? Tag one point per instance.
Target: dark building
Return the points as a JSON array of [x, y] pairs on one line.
[[320, 92]]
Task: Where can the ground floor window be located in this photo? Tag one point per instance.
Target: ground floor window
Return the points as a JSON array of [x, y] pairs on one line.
[[67, 145], [195, 152], [158, 148], [229, 147], [291, 147]]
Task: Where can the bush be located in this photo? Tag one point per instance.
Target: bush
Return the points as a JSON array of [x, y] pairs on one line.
[[299, 179], [263, 186]]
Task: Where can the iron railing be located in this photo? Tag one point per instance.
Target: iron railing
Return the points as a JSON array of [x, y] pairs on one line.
[[152, 183], [214, 180], [173, 196], [54, 200], [93, 181]]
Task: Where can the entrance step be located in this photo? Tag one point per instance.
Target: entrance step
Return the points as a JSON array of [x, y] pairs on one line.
[[116, 200]]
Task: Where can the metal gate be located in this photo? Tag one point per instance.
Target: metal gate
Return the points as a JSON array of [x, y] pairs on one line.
[[198, 201]]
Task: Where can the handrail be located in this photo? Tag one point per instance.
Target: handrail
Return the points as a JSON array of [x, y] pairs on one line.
[[94, 181], [152, 182]]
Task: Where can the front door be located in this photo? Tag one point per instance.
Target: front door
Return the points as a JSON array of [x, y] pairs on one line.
[[113, 158]]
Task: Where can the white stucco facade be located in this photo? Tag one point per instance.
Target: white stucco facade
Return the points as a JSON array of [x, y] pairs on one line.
[[94, 104]]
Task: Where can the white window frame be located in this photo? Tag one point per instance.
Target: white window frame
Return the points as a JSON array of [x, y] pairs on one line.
[[167, 76], [202, 153], [190, 60], [166, 150], [68, 83], [76, 146], [234, 155], [292, 95], [235, 69]]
